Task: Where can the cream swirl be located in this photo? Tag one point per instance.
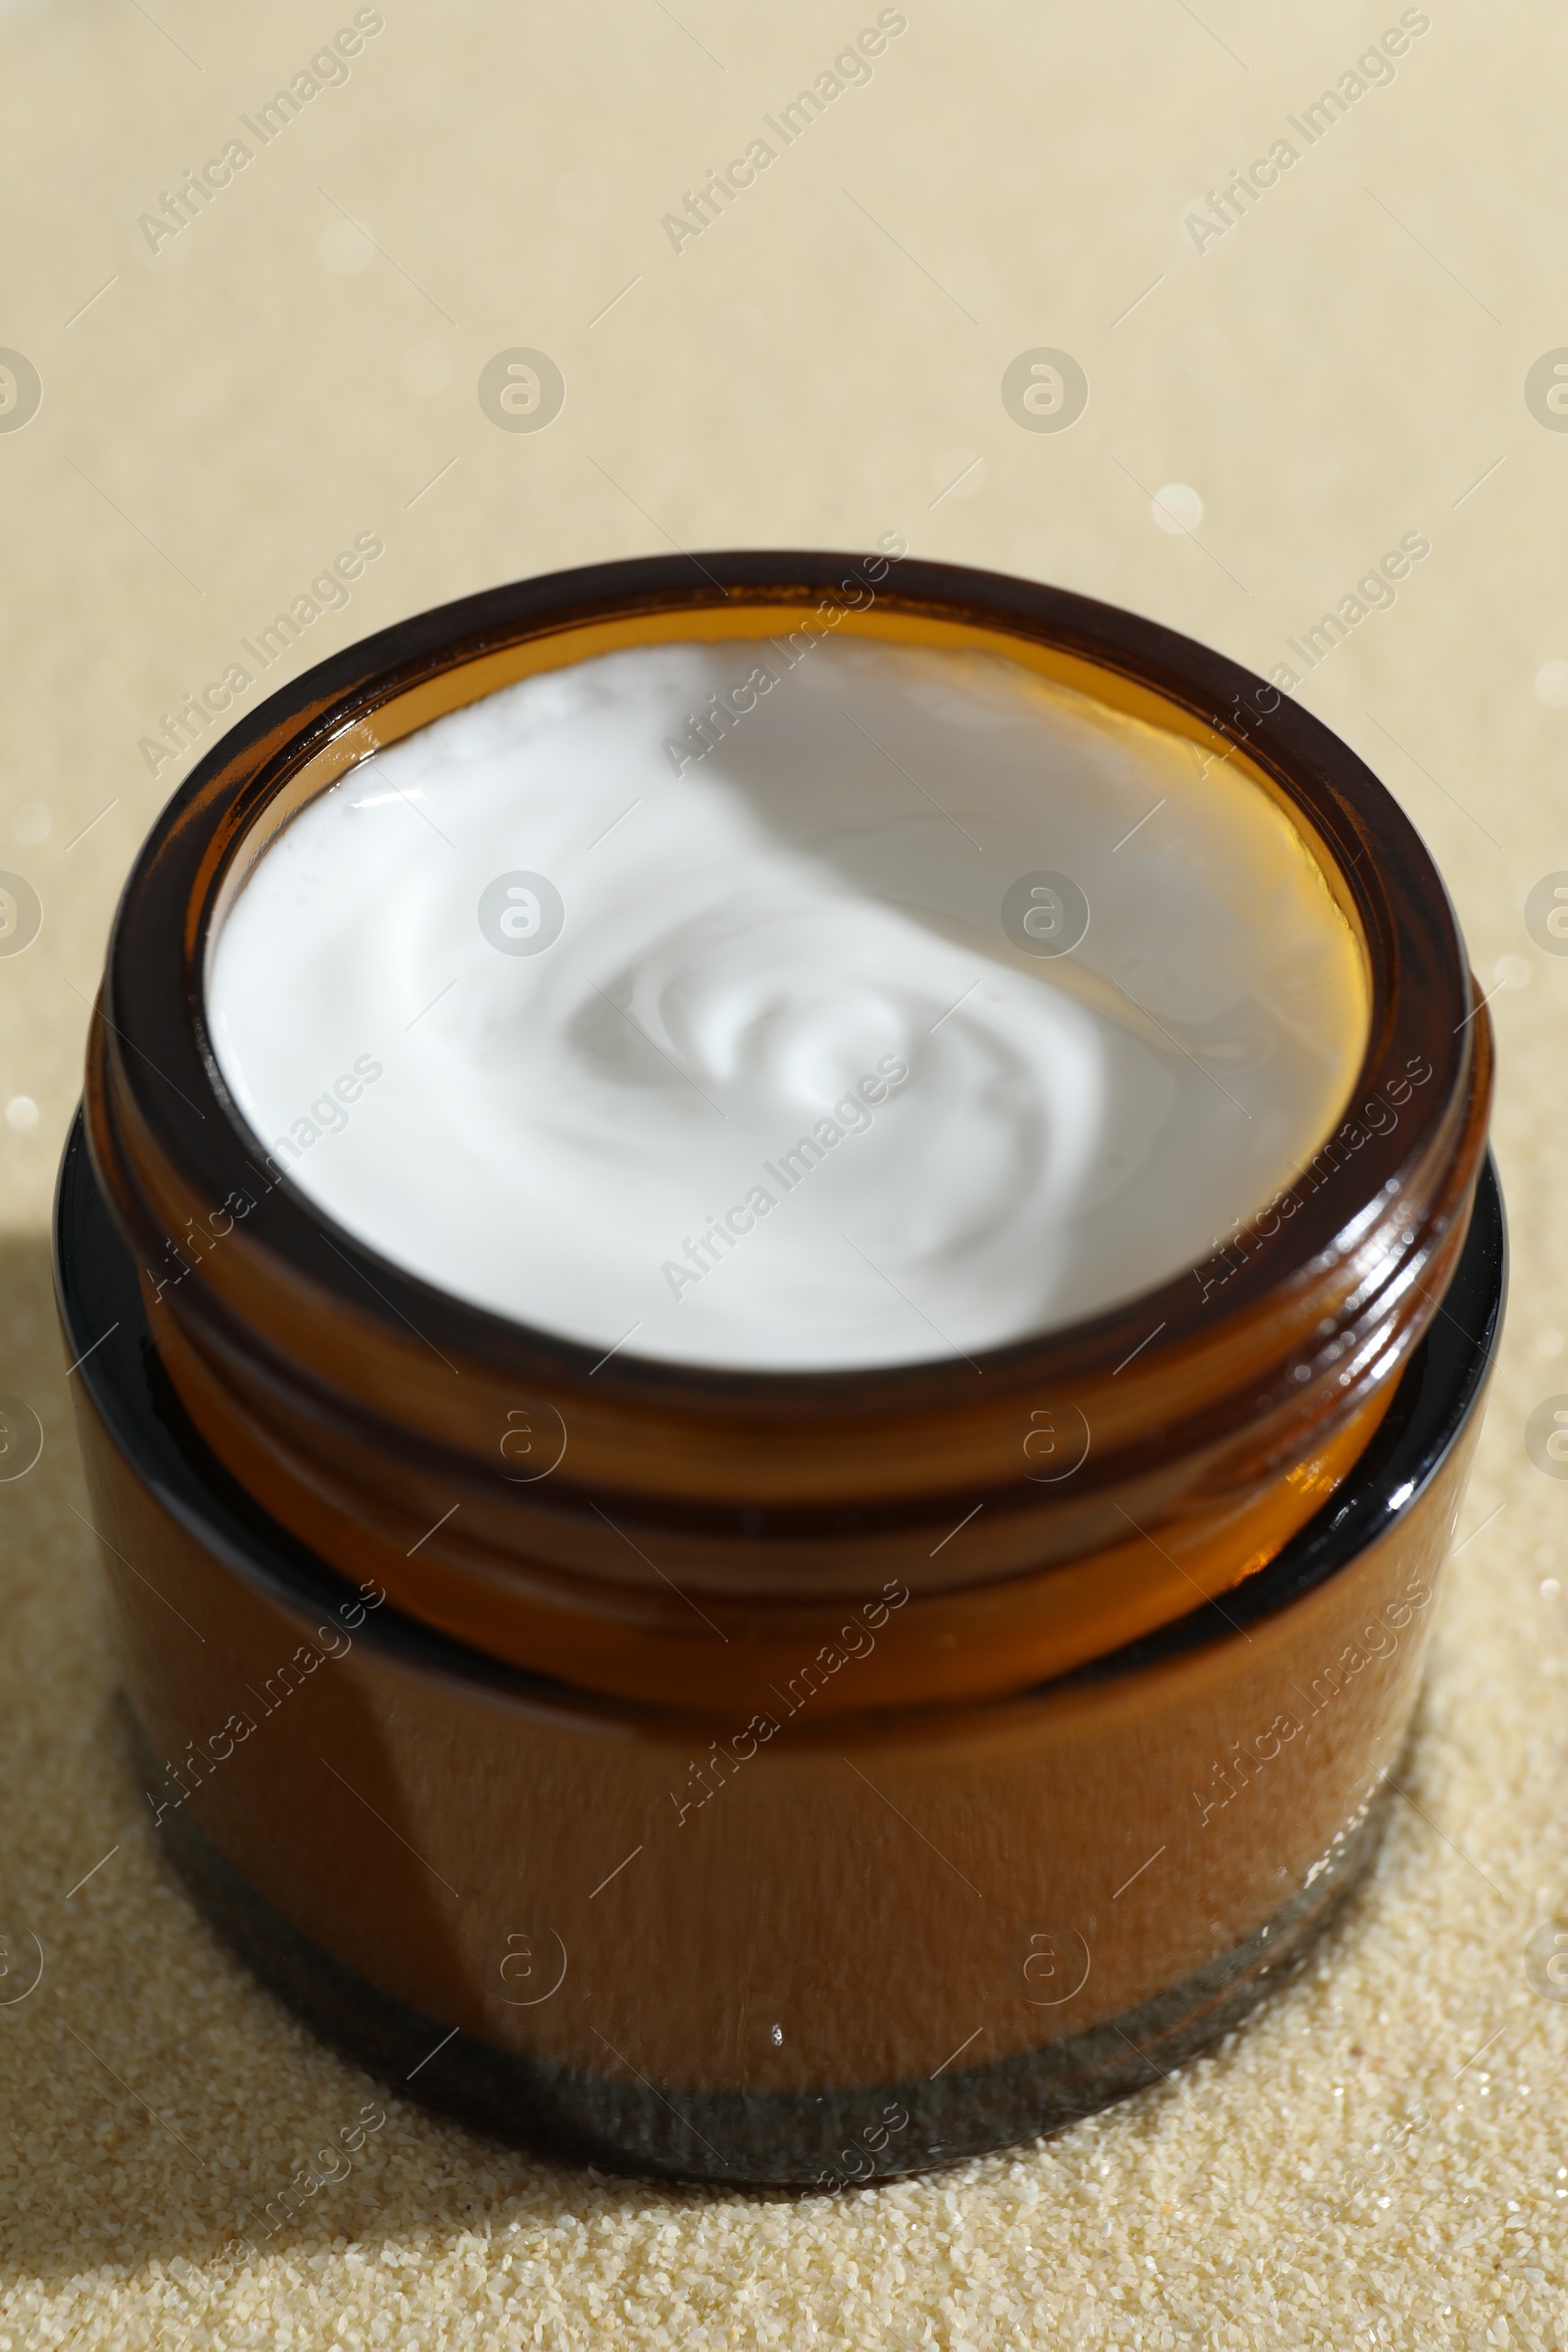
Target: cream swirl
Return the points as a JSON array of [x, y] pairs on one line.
[[748, 1056]]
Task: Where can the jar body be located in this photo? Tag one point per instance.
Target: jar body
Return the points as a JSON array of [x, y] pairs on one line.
[[691, 1800], [855, 1948]]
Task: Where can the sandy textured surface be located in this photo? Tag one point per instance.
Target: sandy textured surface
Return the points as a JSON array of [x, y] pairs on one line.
[[1383, 2157]]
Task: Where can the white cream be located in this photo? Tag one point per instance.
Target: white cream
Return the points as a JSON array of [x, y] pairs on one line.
[[781, 1091]]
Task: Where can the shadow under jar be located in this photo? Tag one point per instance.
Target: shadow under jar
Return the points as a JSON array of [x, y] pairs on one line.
[[777, 1776]]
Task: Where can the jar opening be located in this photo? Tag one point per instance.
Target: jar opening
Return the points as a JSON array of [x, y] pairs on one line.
[[731, 992]]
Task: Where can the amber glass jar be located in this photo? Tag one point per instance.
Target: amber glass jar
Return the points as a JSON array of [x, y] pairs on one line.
[[628, 1729]]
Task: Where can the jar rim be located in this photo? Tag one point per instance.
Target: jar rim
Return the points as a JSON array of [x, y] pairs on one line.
[[154, 997]]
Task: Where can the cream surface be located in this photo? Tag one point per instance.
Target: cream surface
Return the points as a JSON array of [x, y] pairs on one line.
[[782, 1043]]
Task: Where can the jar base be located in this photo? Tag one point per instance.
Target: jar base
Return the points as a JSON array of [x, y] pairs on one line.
[[797, 2140]]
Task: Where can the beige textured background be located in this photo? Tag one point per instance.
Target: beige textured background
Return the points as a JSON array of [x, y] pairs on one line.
[[1383, 2158]]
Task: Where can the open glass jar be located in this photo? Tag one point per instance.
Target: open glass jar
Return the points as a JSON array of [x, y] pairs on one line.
[[636, 1731]]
